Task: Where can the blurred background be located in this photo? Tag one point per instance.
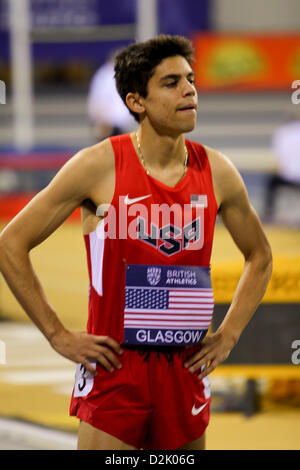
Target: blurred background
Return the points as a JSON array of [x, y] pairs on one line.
[[57, 96]]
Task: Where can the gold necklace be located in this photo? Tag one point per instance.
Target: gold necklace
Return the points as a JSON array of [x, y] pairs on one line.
[[143, 161]]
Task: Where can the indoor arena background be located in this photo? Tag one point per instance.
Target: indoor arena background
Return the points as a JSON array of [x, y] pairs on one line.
[[248, 76]]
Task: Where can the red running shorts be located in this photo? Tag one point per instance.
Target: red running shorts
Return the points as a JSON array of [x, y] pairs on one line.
[[152, 402]]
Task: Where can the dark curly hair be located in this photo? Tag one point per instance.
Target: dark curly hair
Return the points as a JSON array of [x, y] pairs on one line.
[[135, 65]]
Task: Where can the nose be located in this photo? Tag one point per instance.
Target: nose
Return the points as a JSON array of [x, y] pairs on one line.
[[188, 88]]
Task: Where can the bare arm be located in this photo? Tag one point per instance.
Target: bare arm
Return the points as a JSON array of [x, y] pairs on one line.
[[41, 217], [240, 219]]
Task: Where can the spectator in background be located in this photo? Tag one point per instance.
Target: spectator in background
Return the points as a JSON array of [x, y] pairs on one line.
[[106, 111], [286, 149]]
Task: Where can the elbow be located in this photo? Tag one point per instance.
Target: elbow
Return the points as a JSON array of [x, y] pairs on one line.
[[267, 253], [268, 260], [8, 248], [3, 249], [265, 266], [264, 260], [12, 245]]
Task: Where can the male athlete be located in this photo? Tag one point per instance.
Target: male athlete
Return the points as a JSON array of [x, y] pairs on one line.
[[149, 202]]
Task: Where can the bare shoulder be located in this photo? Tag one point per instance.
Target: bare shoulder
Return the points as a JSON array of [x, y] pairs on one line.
[[74, 183], [98, 158], [219, 162], [227, 180], [87, 168]]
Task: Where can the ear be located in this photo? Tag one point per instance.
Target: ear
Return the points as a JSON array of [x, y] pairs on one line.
[[134, 103]]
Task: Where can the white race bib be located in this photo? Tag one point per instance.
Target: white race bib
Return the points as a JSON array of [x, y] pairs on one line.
[[84, 381]]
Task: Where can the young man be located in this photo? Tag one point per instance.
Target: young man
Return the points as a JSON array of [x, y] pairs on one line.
[[141, 379]]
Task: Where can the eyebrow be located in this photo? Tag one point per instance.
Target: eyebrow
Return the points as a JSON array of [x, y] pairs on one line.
[[175, 76]]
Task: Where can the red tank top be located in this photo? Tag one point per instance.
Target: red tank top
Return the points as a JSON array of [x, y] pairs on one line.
[[149, 257]]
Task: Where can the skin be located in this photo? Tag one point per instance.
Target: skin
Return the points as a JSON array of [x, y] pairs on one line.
[[88, 180]]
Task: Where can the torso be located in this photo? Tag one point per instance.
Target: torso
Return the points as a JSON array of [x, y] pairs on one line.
[[155, 243]]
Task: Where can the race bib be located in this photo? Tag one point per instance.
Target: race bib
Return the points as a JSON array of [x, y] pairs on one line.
[[84, 381], [167, 305]]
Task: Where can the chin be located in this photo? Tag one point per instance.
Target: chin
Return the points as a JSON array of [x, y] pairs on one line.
[[175, 132], [188, 127], [177, 128]]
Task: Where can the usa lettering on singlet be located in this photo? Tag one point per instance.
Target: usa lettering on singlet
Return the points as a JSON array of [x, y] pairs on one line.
[[149, 258]]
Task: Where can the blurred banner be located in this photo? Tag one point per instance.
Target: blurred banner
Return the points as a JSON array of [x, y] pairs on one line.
[[184, 17], [67, 13], [64, 30], [88, 30], [244, 62]]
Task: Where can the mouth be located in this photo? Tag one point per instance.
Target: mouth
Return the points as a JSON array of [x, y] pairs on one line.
[[188, 108]]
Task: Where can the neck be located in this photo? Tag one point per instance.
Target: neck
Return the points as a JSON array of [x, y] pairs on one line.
[[160, 151]]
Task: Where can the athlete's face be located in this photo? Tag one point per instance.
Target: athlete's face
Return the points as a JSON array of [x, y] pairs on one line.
[[171, 102]]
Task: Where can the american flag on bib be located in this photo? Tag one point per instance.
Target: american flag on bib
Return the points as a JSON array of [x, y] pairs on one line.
[[167, 298], [168, 307]]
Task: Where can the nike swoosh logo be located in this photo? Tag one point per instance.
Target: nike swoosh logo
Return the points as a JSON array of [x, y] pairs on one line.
[[196, 411], [128, 200]]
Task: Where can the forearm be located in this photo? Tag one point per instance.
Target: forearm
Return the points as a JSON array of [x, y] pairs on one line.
[[79, 347], [248, 295], [24, 284]]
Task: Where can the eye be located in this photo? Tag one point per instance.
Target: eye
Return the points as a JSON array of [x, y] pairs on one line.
[[171, 84]]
